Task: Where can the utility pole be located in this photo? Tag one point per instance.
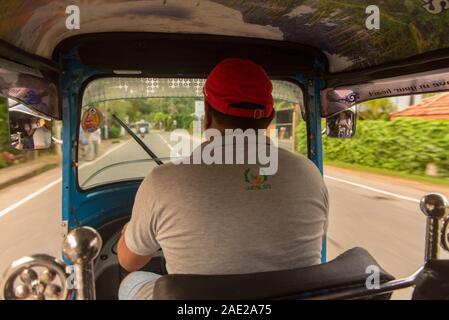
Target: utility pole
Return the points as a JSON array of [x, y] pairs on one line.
[[412, 99], [58, 137], [106, 121]]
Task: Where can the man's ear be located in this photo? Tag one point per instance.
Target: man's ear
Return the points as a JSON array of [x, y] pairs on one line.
[[273, 114], [207, 117]]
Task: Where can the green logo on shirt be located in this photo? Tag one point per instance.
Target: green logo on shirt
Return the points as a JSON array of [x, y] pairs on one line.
[[256, 181]]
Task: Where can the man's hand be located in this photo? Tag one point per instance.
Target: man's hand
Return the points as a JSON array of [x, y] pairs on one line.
[[128, 259]]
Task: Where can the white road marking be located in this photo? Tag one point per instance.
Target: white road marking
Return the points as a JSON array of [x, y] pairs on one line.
[[115, 148], [344, 181], [29, 197], [373, 189], [168, 144], [48, 186]]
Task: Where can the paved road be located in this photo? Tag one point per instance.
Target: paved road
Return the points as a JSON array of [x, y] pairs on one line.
[[377, 213]]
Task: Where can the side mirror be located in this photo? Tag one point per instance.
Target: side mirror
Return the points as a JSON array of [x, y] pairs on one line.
[[342, 125], [28, 129]]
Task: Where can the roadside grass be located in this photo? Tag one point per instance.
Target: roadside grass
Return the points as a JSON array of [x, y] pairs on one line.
[[52, 158], [391, 173], [24, 170]]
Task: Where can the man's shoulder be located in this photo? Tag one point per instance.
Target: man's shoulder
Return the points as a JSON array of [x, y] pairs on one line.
[[299, 165], [160, 177], [293, 158], [163, 170], [168, 171]]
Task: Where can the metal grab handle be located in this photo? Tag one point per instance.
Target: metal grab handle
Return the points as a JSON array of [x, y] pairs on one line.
[[445, 234], [36, 277], [436, 208], [42, 277], [360, 292], [81, 246]]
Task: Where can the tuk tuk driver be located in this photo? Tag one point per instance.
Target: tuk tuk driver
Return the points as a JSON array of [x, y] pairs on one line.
[[222, 218]]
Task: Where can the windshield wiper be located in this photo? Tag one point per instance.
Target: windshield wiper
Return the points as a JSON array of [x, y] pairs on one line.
[[138, 140]]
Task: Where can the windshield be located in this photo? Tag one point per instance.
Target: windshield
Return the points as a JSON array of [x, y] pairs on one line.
[[152, 109]]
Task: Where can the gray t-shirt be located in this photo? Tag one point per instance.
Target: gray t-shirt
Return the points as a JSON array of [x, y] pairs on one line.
[[225, 219]]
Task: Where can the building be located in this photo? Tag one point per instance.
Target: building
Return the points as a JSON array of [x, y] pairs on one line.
[[432, 108]]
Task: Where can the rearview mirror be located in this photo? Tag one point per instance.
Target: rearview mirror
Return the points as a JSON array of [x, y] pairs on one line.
[[28, 129], [342, 125]]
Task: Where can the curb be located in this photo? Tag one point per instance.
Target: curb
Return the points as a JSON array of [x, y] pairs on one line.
[[28, 175]]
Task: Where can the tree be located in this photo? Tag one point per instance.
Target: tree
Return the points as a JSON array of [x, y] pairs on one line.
[[4, 126], [158, 119], [122, 108], [378, 109]]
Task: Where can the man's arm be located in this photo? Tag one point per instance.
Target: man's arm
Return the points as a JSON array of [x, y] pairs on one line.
[[138, 240], [128, 259]]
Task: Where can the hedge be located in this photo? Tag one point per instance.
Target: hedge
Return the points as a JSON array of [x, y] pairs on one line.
[[404, 145]]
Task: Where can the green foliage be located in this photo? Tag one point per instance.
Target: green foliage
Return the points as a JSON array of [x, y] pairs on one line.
[[4, 126], [164, 113], [114, 132], [404, 145], [124, 109], [3, 163], [4, 132], [378, 109], [160, 112]]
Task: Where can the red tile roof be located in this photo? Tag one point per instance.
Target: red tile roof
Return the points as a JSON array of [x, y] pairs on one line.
[[435, 107]]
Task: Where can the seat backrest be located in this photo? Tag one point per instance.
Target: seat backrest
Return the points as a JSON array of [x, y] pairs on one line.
[[347, 270]]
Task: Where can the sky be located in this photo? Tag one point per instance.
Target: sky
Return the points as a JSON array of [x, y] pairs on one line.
[[404, 101]]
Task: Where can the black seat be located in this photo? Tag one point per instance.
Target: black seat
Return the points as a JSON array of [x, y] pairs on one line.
[[346, 271]]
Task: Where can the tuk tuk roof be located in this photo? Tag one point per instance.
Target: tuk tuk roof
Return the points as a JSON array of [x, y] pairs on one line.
[[338, 29]]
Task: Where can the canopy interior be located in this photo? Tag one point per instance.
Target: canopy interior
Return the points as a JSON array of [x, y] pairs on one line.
[[335, 28]]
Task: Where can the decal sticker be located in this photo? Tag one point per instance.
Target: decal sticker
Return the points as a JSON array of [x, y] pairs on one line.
[[335, 100], [39, 94], [91, 120], [436, 6], [32, 98], [256, 181]]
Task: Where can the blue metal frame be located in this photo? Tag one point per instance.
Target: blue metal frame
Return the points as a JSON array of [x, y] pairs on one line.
[[315, 144], [100, 205], [312, 87]]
